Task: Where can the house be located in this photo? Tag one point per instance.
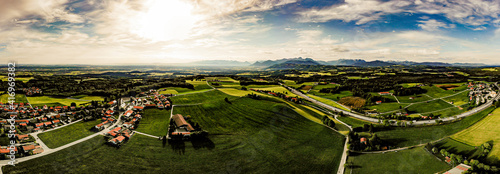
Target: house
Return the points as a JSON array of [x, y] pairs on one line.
[[7, 150], [114, 132], [39, 125], [56, 122], [128, 113], [48, 123], [138, 108], [458, 169], [22, 137], [100, 125], [378, 102], [28, 148], [117, 140], [180, 122], [385, 93], [363, 140]]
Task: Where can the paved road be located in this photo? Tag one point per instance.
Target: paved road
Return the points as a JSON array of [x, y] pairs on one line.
[[421, 122], [147, 135]]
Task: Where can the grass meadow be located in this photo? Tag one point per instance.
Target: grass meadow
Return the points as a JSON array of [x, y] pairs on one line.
[[68, 134]]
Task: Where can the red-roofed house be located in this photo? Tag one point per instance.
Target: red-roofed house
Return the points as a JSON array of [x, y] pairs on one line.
[[139, 108], [117, 140]]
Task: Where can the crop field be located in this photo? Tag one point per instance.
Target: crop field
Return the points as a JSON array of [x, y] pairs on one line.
[[429, 107], [276, 89], [169, 91], [20, 98], [331, 96], [409, 161], [222, 79], [353, 102], [457, 147], [319, 87], [52, 101], [402, 137], [354, 122], [196, 98], [86, 97], [237, 92], [485, 130], [416, 98], [437, 92], [328, 102], [20, 79], [386, 107], [279, 125], [154, 122], [459, 99], [68, 134]]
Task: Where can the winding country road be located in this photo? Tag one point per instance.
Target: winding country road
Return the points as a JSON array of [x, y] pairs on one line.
[[421, 122]]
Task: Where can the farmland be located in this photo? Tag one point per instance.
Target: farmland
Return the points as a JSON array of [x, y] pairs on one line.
[[20, 98], [68, 134], [52, 101], [386, 107], [89, 98], [328, 102], [154, 122], [200, 97], [485, 130], [437, 92], [402, 137], [429, 106], [415, 160]]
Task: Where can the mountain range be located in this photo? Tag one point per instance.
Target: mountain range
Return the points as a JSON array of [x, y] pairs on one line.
[[287, 63]]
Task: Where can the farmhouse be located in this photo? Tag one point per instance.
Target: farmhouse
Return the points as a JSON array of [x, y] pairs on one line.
[[458, 169], [117, 140], [180, 122], [385, 93], [378, 102]]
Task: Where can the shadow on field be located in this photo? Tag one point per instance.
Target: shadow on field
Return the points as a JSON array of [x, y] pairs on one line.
[[202, 142], [178, 146]]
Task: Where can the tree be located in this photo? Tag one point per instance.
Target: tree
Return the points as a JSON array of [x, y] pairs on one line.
[[73, 104], [434, 150]]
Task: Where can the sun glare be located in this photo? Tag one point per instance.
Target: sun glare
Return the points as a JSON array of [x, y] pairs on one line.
[[165, 20]]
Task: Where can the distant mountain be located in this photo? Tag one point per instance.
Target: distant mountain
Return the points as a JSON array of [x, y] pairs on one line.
[[374, 63], [219, 63], [295, 63], [342, 62], [468, 64], [299, 60]]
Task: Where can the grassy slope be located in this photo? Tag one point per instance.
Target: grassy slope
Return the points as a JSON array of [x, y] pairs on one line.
[[328, 102], [335, 97], [415, 160], [68, 134], [154, 122], [402, 137], [20, 98], [386, 107], [485, 130], [429, 107], [200, 97], [50, 101]]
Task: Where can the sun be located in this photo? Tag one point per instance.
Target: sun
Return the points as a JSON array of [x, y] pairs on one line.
[[165, 20]]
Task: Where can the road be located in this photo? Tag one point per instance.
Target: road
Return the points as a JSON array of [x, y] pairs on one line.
[[421, 122]]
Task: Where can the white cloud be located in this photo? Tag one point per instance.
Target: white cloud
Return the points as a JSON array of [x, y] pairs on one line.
[[433, 25], [361, 11]]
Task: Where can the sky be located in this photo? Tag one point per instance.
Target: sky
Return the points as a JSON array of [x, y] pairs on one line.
[[180, 31]]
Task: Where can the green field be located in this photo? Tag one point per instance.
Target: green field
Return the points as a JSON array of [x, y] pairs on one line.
[[402, 137], [431, 106], [485, 130], [237, 92], [20, 98], [437, 92], [409, 161], [68, 134], [21, 79], [154, 122], [386, 107], [200, 97], [51, 101], [328, 102], [276, 90], [459, 99], [335, 97], [222, 79], [86, 97], [354, 122], [198, 87], [457, 147], [416, 98]]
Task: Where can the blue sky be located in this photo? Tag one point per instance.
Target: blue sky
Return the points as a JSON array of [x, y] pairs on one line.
[[178, 31]]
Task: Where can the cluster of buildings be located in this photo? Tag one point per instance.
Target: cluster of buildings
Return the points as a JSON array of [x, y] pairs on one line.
[[32, 91], [153, 99], [25, 149], [118, 135], [481, 92]]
